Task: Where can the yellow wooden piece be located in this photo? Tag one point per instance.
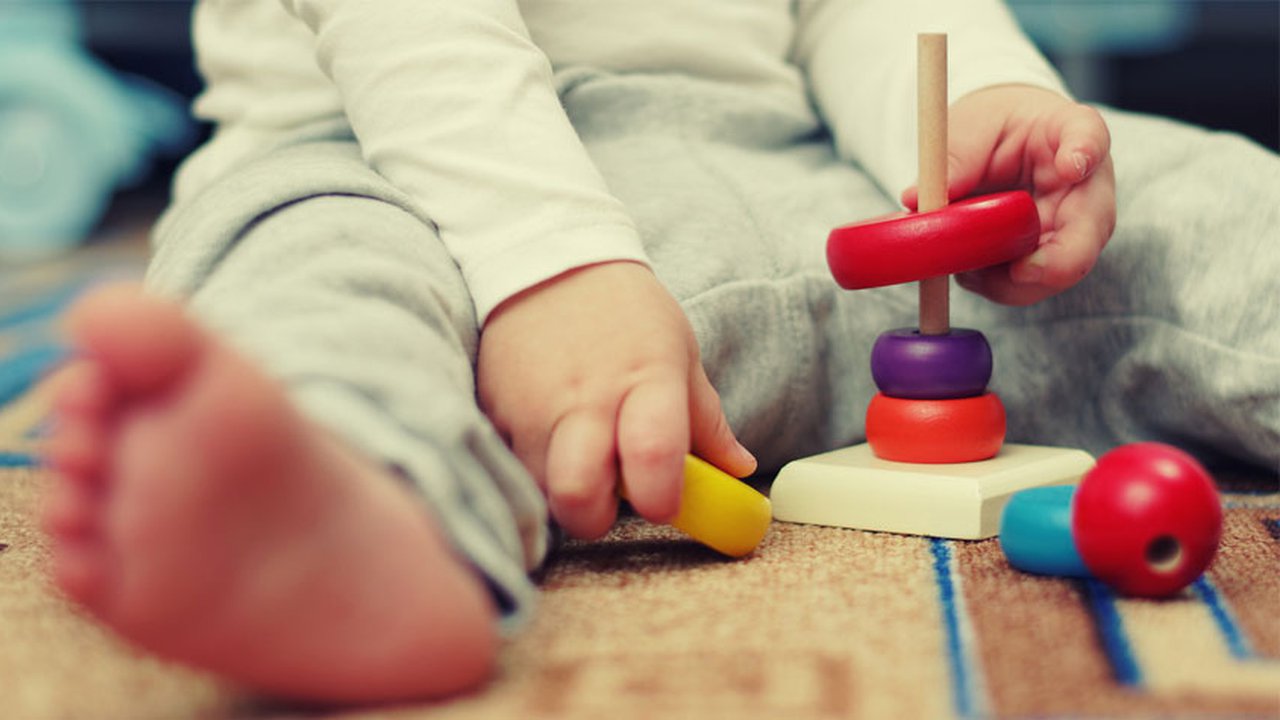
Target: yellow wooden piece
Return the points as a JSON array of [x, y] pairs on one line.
[[720, 511]]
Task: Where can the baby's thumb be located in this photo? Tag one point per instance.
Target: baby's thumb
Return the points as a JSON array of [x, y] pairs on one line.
[[713, 440], [1082, 142]]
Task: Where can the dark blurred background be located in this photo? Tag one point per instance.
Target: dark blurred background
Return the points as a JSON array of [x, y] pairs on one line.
[[1211, 62]]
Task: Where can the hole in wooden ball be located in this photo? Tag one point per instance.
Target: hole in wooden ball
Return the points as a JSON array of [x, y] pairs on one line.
[[1164, 554]]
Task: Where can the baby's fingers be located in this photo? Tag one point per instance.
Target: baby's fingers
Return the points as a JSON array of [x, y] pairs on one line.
[[653, 438], [713, 439], [1081, 225], [582, 474], [1080, 140]]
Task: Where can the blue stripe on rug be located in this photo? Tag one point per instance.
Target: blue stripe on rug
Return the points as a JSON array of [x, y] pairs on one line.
[[963, 696], [18, 460], [1273, 527], [1115, 642], [18, 372], [1251, 504], [1231, 633]]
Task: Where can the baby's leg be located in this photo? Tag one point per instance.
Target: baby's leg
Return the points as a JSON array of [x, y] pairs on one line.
[[1175, 335], [202, 517], [256, 517]]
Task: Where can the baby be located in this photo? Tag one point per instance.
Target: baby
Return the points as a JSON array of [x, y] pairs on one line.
[[450, 270]]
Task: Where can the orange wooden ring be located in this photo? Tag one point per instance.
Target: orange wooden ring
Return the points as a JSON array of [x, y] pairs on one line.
[[936, 431]]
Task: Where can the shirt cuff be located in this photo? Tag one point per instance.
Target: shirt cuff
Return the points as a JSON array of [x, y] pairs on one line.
[[495, 279]]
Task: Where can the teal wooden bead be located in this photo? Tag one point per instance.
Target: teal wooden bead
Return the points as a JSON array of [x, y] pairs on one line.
[[1035, 532]]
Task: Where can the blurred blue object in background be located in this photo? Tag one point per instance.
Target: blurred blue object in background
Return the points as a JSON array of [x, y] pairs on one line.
[[1080, 34], [1128, 27], [72, 131]]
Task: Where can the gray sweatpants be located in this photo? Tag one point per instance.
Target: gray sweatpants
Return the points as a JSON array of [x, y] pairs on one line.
[[310, 263]]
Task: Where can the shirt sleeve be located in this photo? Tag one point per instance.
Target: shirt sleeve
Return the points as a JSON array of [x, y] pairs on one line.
[[454, 104], [860, 58]]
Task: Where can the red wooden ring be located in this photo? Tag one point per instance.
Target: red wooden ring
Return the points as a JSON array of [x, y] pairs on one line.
[[904, 247], [935, 431]]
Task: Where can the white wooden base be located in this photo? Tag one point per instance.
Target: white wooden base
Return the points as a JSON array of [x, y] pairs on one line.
[[853, 488]]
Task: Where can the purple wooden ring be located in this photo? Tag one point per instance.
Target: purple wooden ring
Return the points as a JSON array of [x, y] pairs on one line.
[[906, 364]]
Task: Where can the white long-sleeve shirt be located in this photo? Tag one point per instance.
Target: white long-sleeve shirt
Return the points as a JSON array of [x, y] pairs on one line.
[[452, 100]]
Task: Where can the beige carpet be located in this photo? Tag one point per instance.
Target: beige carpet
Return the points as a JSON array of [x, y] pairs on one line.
[[818, 623]]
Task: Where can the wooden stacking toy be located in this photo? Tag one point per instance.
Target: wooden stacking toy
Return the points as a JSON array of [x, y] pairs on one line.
[[935, 461]]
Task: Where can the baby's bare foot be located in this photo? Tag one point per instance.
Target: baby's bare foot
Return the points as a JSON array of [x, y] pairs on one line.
[[196, 513]]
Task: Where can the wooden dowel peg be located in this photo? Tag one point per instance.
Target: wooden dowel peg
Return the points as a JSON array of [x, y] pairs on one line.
[[931, 91]]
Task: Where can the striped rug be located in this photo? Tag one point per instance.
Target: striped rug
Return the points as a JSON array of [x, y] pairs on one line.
[[32, 297], [818, 623]]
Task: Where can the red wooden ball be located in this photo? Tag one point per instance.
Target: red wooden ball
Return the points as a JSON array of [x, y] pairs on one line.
[[1147, 519], [904, 247], [935, 431]]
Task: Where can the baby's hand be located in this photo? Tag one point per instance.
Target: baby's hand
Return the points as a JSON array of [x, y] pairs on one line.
[[1016, 136], [594, 378]]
